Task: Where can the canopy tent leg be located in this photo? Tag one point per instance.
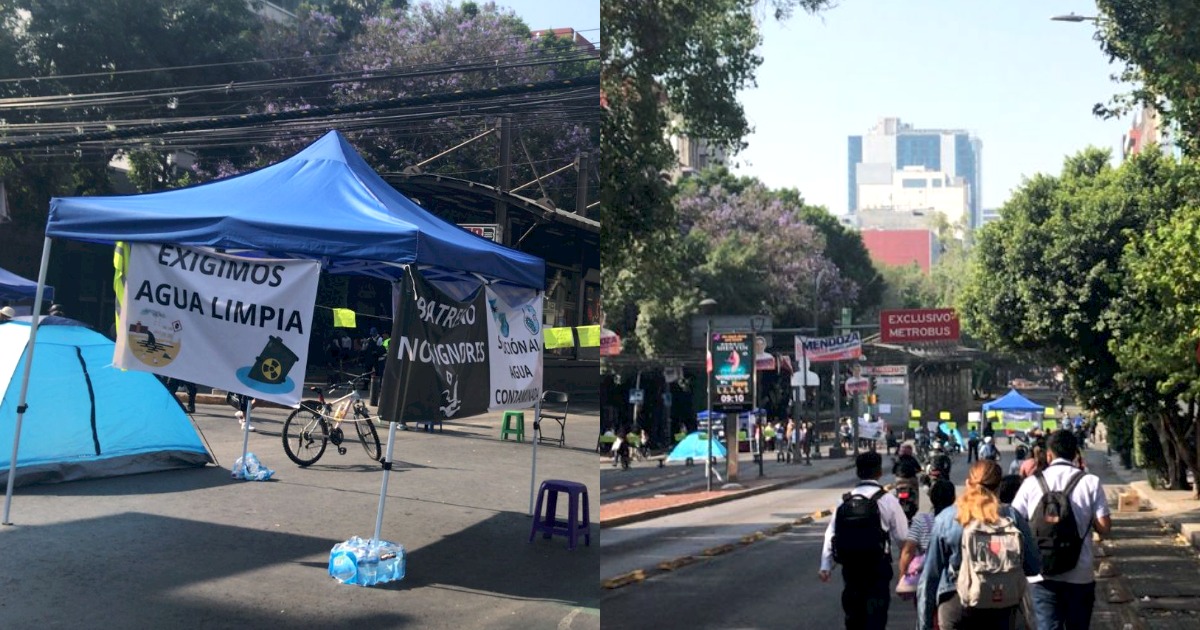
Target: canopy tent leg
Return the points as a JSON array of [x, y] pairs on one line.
[[387, 460], [246, 434], [537, 423], [37, 310]]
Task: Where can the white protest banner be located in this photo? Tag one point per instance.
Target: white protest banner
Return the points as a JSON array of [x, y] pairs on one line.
[[515, 360], [868, 430], [229, 322]]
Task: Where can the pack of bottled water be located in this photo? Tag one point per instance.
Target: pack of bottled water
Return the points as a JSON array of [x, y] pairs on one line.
[[366, 562], [252, 471]]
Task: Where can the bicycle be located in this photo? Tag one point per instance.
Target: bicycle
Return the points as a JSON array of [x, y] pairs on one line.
[[309, 429]]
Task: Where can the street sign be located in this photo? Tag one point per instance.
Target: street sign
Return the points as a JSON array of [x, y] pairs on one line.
[[731, 360], [921, 325], [490, 231], [637, 396]]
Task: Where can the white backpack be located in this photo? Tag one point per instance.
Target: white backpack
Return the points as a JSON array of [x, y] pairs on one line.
[[991, 574]]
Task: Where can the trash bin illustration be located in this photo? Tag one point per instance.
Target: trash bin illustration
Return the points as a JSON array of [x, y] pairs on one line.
[[273, 363]]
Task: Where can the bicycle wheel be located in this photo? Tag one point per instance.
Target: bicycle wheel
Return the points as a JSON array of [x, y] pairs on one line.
[[305, 436], [367, 434]]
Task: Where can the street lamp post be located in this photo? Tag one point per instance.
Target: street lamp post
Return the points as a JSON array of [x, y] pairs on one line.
[[804, 351], [706, 306]]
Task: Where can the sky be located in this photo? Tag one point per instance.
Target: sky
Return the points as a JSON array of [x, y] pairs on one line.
[[581, 15], [1023, 84]]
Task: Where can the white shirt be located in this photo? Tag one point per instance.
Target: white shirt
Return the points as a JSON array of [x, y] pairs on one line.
[[1087, 502], [891, 520]]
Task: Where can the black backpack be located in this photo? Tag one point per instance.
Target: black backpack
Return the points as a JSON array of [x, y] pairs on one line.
[[858, 535], [1054, 527]]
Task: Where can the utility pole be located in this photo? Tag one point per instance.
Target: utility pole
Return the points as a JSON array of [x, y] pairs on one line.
[[581, 184], [504, 179]]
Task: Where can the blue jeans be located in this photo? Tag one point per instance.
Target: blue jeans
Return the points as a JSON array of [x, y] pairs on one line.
[[1063, 606]]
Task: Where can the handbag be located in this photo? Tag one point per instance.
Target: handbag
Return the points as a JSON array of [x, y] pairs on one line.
[[907, 584]]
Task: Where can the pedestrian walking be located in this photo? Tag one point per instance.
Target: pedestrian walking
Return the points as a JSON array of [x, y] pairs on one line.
[[1034, 464], [979, 556], [1014, 466], [866, 524], [972, 445], [173, 385], [989, 450], [1063, 503], [920, 531]]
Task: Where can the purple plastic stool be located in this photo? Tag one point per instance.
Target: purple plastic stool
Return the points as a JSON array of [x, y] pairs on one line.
[[549, 525]]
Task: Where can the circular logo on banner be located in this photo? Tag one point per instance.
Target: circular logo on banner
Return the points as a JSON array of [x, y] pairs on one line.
[[153, 339]]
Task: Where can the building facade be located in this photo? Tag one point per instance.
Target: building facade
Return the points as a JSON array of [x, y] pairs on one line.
[[946, 155]]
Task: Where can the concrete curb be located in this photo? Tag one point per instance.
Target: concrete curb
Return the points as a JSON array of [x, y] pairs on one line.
[[1190, 531], [638, 517]]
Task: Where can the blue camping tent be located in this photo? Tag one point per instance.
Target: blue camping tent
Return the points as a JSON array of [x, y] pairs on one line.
[[14, 288], [86, 418], [1013, 401], [324, 202]]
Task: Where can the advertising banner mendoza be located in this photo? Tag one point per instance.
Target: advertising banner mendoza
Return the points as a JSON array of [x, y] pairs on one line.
[[234, 323], [453, 356]]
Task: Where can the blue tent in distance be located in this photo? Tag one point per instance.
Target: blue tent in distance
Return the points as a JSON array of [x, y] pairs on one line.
[[14, 288], [693, 447], [1013, 401], [86, 418]]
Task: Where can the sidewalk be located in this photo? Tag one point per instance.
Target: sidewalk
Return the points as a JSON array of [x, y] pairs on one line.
[[1146, 573], [778, 475]]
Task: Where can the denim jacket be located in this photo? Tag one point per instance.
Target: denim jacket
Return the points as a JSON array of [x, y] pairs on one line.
[[944, 557]]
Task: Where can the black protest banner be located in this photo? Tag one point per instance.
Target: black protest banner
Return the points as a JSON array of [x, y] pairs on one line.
[[437, 362]]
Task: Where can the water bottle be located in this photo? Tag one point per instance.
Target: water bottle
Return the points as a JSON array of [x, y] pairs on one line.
[[342, 567], [368, 569]]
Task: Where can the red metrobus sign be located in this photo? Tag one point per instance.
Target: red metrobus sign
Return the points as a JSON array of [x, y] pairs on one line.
[[922, 325]]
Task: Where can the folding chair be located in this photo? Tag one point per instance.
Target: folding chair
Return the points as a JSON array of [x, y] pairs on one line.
[[554, 407]]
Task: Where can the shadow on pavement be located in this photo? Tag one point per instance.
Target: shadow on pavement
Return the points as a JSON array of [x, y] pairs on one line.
[[176, 570], [559, 572]]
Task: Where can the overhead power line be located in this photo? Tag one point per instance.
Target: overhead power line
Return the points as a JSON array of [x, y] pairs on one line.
[[244, 120]]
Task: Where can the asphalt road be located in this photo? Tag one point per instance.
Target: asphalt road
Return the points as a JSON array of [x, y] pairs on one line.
[[771, 583], [194, 548]]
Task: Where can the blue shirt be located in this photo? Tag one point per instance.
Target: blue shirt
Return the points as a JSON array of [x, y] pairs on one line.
[[944, 557]]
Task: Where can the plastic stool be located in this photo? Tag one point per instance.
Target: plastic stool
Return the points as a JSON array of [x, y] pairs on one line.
[[508, 426], [575, 524]]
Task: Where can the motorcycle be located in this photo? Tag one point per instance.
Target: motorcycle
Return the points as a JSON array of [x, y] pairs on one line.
[[908, 494]]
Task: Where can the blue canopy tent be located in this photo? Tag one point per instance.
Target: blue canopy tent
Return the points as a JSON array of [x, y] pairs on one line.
[[14, 288], [1013, 401], [323, 203]]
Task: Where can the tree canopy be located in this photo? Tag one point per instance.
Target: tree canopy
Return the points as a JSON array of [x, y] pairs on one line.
[[1068, 277], [1156, 41], [668, 66]]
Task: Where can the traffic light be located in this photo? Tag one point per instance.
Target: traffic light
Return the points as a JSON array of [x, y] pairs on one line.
[[872, 399]]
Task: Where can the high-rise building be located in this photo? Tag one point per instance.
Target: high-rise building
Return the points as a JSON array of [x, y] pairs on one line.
[[950, 158]]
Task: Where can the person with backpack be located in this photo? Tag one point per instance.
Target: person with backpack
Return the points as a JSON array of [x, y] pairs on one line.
[[859, 538], [1063, 504], [989, 450], [979, 556]]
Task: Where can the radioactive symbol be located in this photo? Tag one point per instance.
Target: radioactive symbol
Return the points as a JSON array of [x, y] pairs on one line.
[[271, 369]]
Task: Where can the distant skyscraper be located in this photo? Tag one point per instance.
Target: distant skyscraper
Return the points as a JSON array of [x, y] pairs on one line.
[[875, 158]]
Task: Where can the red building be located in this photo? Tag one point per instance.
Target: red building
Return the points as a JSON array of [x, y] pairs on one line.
[[900, 248]]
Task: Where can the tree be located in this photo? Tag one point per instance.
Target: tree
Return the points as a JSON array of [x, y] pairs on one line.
[[1050, 279], [1156, 41], [666, 65]]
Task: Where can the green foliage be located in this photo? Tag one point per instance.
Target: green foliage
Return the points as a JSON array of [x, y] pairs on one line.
[[674, 65], [1156, 41], [1089, 271]]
